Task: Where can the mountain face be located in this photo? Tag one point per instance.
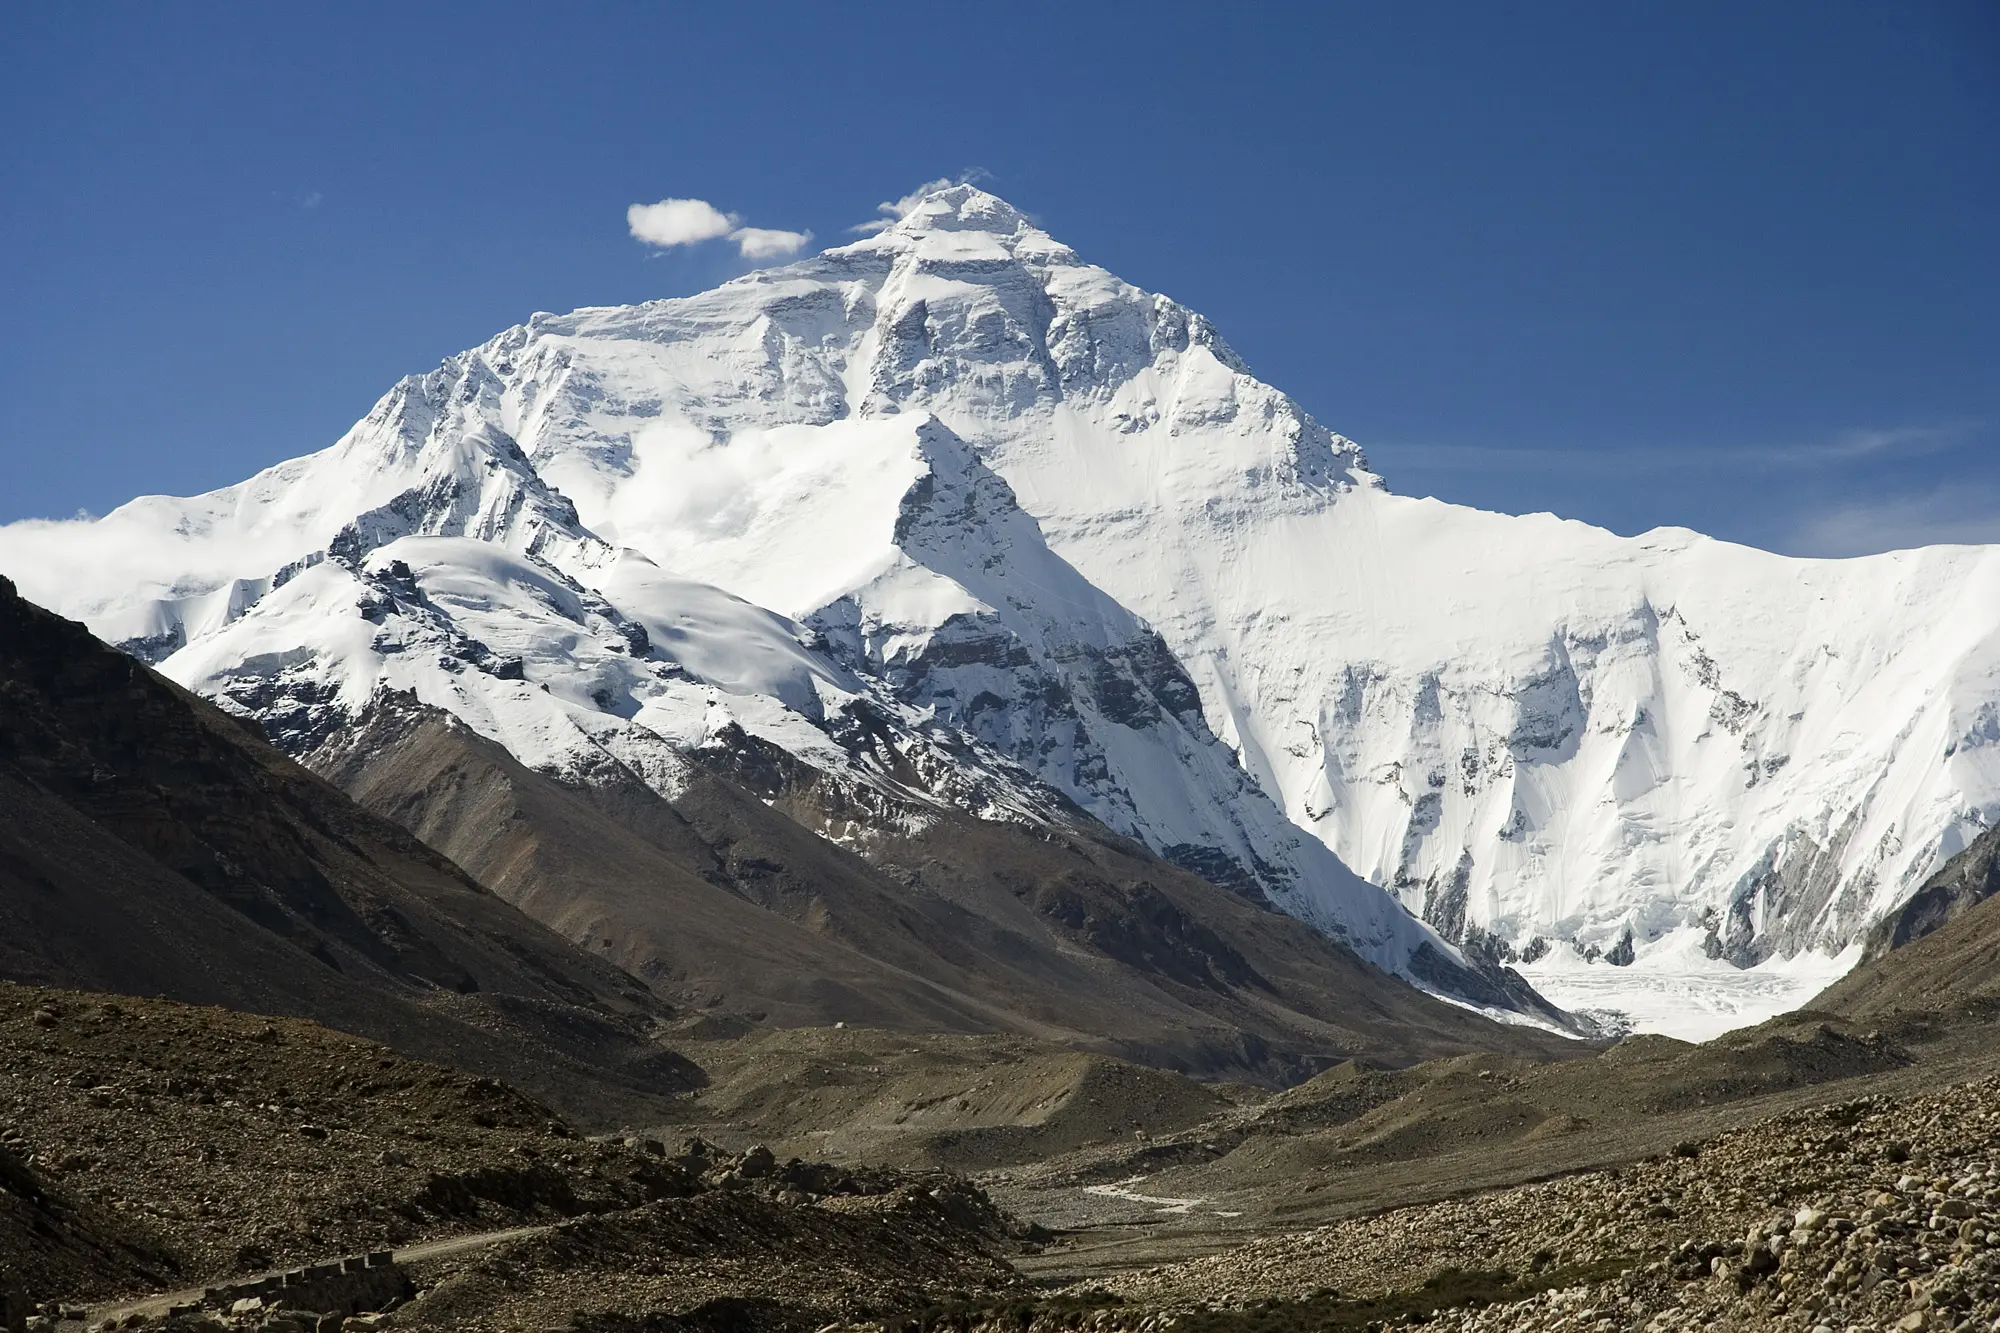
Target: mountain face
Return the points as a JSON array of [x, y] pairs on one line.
[[737, 900], [1961, 884], [1932, 968], [965, 524], [151, 845]]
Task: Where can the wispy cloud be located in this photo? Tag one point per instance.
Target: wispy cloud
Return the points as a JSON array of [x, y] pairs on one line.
[[1855, 445], [894, 210], [1963, 512], [1847, 448], [1855, 492], [676, 222]]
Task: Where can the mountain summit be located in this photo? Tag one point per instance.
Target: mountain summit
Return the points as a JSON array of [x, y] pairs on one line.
[[962, 522]]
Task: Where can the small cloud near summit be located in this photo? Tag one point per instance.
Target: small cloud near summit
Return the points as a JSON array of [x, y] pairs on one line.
[[766, 242], [678, 222], [675, 222], [895, 210]]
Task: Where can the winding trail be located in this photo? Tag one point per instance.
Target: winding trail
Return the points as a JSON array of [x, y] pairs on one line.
[[1123, 1190], [159, 1303]]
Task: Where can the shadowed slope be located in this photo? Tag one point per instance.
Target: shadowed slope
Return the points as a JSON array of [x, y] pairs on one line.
[[151, 844], [952, 925]]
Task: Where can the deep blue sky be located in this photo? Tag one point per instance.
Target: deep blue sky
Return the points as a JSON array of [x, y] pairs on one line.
[[1726, 265]]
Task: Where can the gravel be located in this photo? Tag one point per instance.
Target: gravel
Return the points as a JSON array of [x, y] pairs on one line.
[[1873, 1213]]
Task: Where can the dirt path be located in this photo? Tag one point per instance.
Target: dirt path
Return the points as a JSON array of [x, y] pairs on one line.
[[160, 1302]]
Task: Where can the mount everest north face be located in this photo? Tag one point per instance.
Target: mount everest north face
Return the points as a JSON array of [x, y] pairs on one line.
[[958, 519]]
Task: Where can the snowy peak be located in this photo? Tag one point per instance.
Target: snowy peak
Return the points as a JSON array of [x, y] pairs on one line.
[[467, 476], [962, 208], [978, 622], [481, 487], [1051, 528]]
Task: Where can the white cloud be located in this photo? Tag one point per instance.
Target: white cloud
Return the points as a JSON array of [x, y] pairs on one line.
[[894, 210], [679, 222], [767, 242], [673, 222], [131, 559]]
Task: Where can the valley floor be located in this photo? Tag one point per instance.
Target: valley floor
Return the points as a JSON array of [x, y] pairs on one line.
[[161, 1162]]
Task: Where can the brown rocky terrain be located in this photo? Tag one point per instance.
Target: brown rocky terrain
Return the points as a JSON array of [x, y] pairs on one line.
[[152, 845], [234, 1142], [49, 1243], [733, 1258], [954, 1103], [729, 898], [1838, 1168], [151, 1146], [1807, 1214]]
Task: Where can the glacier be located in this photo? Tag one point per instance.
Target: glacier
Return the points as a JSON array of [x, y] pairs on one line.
[[952, 490]]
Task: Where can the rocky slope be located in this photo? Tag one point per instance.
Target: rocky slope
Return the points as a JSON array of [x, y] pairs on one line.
[[1877, 1211], [52, 1244], [150, 844], [1941, 963], [739, 897], [1960, 885], [184, 1147]]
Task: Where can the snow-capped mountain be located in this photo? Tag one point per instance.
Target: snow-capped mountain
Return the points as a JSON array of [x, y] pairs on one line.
[[953, 491]]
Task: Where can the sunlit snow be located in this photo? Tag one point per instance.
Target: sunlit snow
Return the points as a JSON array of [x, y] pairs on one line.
[[956, 470], [1677, 990]]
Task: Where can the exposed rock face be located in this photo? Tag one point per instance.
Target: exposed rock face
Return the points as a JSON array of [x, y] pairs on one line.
[[1935, 960], [1964, 882]]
